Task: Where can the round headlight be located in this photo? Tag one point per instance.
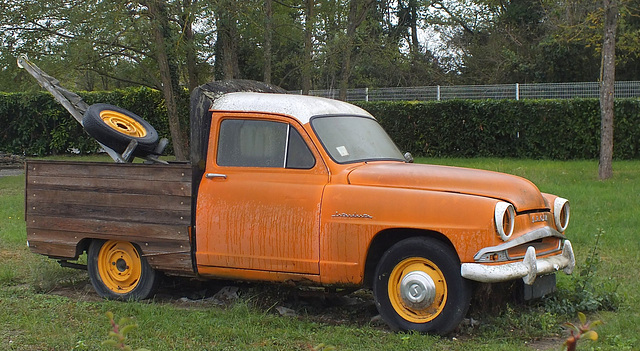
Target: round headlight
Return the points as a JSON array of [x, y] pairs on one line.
[[561, 212], [504, 216]]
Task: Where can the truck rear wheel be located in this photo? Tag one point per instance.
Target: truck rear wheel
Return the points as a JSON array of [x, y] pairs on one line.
[[118, 271], [418, 286], [115, 127]]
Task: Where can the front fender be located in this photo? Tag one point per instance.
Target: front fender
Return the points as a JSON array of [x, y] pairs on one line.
[[351, 216]]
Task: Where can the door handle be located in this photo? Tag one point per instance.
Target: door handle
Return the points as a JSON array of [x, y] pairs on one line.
[[215, 175]]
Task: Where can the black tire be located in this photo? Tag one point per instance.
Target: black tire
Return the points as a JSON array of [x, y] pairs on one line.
[[118, 271], [436, 297], [115, 127]]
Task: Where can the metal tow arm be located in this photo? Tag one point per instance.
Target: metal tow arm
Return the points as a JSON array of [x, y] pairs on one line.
[[76, 107]]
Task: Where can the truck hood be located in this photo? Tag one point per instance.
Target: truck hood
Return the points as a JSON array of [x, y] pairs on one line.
[[523, 194]]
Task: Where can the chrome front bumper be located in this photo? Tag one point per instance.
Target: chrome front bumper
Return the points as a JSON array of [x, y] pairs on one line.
[[527, 269]]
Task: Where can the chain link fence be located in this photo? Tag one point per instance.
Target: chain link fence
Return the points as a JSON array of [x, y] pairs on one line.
[[629, 89]]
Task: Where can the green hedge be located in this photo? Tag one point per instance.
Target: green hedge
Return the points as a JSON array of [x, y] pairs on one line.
[[34, 124], [554, 129]]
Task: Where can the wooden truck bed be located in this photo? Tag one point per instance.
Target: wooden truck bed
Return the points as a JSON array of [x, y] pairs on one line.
[[150, 205]]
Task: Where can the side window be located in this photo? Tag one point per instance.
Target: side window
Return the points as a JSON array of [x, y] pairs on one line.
[[298, 154], [250, 143]]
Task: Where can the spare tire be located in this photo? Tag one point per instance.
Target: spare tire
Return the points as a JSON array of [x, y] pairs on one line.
[[115, 127]]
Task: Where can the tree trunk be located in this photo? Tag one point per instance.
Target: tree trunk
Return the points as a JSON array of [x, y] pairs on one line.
[[414, 45], [227, 47], [160, 20], [190, 52], [347, 44], [308, 49], [605, 170], [268, 36], [357, 13]]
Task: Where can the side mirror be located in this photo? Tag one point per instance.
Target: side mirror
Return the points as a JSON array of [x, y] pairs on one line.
[[408, 158]]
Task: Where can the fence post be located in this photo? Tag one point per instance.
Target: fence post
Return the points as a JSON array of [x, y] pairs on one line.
[[438, 93], [517, 91], [366, 94]]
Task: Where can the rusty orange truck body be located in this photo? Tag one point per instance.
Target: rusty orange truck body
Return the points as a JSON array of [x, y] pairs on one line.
[[307, 190]]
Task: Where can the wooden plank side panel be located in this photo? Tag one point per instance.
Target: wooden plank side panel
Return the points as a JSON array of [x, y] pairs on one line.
[[79, 228], [113, 186], [81, 197], [169, 257], [150, 205], [111, 213], [173, 264], [102, 170], [62, 249]]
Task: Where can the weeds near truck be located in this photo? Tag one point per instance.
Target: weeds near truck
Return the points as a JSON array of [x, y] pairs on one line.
[[47, 275], [586, 293], [584, 330], [37, 318], [8, 275], [119, 332]]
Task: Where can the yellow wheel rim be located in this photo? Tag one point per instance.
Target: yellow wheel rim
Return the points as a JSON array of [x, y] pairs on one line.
[[119, 266], [123, 123], [417, 290]]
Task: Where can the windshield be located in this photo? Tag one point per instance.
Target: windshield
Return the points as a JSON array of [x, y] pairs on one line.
[[354, 139]]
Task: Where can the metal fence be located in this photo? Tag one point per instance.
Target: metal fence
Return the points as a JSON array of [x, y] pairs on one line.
[[630, 89]]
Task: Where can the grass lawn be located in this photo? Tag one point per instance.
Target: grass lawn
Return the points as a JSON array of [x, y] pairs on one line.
[[35, 315]]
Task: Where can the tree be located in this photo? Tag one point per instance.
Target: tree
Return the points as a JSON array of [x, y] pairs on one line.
[[595, 25], [307, 44], [268, 38], [605, 169], [227, 40], [110, 40], [357, 13], [168, 73], [385, 56], [186, 22], [307, 59], [498, 41]]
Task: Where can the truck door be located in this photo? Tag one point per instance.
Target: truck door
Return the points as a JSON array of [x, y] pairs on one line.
[[259, 202]]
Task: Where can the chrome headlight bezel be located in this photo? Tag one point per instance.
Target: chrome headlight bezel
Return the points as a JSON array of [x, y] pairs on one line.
[[504, 218], [561, 213]]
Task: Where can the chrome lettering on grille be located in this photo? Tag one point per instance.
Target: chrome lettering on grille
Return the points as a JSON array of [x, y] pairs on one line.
[[539, 218]]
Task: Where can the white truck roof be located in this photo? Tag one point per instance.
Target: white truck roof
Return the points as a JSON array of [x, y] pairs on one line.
[[301, 107]]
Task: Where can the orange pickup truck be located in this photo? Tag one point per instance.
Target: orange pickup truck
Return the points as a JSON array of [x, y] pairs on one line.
[[307, 190]]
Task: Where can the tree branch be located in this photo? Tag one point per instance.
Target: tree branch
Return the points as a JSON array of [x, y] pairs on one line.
[[105, 74], [440, 6]]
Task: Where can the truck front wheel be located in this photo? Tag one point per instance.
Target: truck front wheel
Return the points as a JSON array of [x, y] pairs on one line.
[[118, 271], [418, 286]]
